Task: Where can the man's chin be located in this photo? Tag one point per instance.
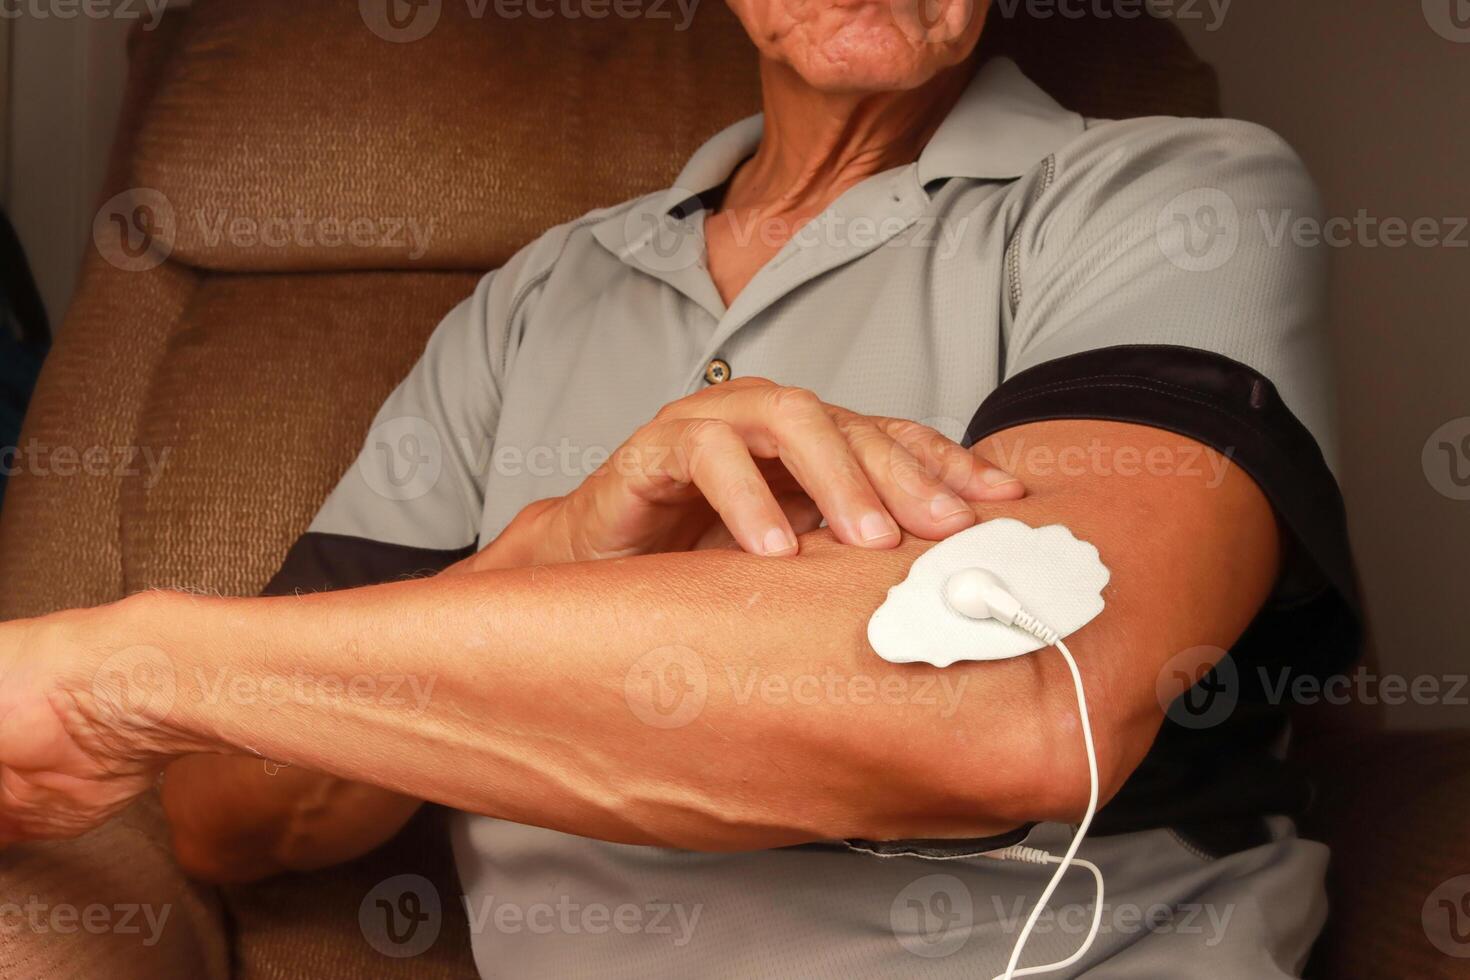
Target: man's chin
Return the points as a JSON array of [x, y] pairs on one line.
[[878, 59]]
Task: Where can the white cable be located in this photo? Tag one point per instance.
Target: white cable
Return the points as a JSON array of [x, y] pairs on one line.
[[978, 593], [1030, 624]]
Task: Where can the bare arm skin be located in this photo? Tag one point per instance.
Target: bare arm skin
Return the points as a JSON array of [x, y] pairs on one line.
[[727, 466], [529, 717]]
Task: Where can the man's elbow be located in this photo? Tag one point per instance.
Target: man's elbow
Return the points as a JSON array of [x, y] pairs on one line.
[[983, 776], [1056, 782]]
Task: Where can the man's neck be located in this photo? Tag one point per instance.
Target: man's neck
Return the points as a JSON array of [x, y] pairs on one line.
[[818, 144]]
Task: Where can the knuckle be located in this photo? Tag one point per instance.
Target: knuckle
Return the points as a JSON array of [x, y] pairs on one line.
[[909, 473], [678, 408], [909, 430], [703, 431], [795, 402], [870, 444], [699, 437]]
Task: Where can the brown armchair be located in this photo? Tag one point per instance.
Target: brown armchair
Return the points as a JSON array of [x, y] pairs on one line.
[[236, 365]]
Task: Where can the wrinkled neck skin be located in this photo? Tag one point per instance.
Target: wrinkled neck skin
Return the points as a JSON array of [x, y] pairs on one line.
[[817, 144]]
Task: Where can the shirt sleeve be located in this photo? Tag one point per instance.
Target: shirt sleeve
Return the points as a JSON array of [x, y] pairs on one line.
[[1177, 232], [1154, 279]]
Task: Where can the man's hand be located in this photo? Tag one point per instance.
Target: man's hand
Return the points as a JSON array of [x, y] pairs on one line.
[[754, 463], [78, 739]]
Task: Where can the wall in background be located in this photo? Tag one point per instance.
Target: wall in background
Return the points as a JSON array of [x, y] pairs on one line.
[[4, 101], [1376, 98], [67, 76]]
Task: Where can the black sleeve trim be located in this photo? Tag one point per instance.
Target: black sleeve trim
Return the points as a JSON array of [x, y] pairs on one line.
[[1212, 399], [320, 562]]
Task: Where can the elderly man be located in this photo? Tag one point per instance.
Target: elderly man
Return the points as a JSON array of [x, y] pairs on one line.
[[969, 303]]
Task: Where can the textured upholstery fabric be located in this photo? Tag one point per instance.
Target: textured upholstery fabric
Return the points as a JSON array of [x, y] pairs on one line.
[[61, 535], [306, 927], [256, 432], [158, 923], [488, 130], [1393, 810], [262, 119], [260, 386]]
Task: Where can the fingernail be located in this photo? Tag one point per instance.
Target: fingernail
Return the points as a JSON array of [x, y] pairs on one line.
[[993, 477], [874, 528], [778, 541], [946, 508]]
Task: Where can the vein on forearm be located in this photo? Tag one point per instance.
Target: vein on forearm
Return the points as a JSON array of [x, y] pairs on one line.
[[529, 718]]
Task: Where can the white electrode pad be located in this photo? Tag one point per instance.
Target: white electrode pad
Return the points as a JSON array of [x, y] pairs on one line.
[[1056, 578]]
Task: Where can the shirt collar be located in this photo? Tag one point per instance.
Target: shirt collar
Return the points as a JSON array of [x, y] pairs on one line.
[[1002, 126]]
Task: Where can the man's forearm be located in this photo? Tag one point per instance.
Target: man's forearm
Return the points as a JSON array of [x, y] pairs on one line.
[[241, 818], [556, 696], [530, 694]]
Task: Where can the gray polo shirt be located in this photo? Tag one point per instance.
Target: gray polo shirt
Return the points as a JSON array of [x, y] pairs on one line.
[[1030, 264]]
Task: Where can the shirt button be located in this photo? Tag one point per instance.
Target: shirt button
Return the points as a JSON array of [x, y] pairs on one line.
[[717, 372]]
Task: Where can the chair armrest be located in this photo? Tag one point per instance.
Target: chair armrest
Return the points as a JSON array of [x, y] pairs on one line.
[[109, 904]]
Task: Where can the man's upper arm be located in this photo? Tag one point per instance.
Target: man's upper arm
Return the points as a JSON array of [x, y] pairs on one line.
[[1167, 396], [1154, 290], [1192, 548]]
